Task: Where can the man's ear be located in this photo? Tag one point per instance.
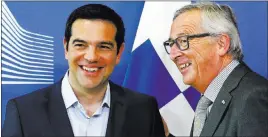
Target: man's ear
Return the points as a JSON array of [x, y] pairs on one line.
[[65, 43], [120, 52], [224, 44]]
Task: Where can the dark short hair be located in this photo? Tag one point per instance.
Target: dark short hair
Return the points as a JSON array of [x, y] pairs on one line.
[[96, 11]]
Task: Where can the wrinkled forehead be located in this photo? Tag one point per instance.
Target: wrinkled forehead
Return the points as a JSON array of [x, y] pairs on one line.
[[188, 22]]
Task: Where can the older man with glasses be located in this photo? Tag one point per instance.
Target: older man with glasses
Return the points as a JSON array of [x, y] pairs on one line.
[[205, 45]]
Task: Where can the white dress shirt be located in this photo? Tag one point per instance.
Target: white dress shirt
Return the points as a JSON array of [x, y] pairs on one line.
[[81, 123]]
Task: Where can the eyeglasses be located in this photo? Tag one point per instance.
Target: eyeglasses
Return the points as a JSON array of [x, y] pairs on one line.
[[182, 42]]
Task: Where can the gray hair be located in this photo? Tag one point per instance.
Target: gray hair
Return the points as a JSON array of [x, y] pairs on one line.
[[218, 19]]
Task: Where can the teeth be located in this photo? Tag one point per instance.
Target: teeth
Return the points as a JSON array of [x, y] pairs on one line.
[[184, 65], [90, 69], [187, 64]]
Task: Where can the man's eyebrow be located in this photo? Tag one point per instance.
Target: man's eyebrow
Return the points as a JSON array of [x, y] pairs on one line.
[[79, 40], [107, 42], [181, 34], [177, 35]]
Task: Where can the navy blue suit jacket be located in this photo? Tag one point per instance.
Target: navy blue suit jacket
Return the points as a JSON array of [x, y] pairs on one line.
[[43, 113]]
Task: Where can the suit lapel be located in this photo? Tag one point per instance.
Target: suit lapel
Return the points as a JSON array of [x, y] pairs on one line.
[[216, 114], [117, 112], [57, 113], [192, 130], [223, 100]]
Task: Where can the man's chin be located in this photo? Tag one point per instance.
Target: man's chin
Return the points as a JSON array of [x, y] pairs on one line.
[[187, 80], [94, 85]]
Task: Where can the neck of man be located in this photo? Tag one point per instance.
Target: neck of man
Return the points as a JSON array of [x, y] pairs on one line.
[[92, 98], [222, 63]]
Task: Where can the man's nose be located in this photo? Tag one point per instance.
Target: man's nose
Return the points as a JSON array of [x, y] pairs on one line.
[[91, 54], [175, 52]]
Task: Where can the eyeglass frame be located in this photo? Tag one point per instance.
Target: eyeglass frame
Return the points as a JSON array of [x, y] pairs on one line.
[[174, 41]]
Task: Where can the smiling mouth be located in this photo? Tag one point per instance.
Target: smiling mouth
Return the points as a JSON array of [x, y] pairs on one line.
[[185, 65], [93, 69]]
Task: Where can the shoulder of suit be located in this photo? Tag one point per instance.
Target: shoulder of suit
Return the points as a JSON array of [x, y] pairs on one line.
[[248, 79], [251, 86], [254, 80], [37, 95]]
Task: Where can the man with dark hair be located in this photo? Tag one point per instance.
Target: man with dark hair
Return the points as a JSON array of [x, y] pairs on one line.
[[85, 102]]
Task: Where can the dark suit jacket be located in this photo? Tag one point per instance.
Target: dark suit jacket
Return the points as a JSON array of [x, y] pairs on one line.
[[43, 113], [241, 107]]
